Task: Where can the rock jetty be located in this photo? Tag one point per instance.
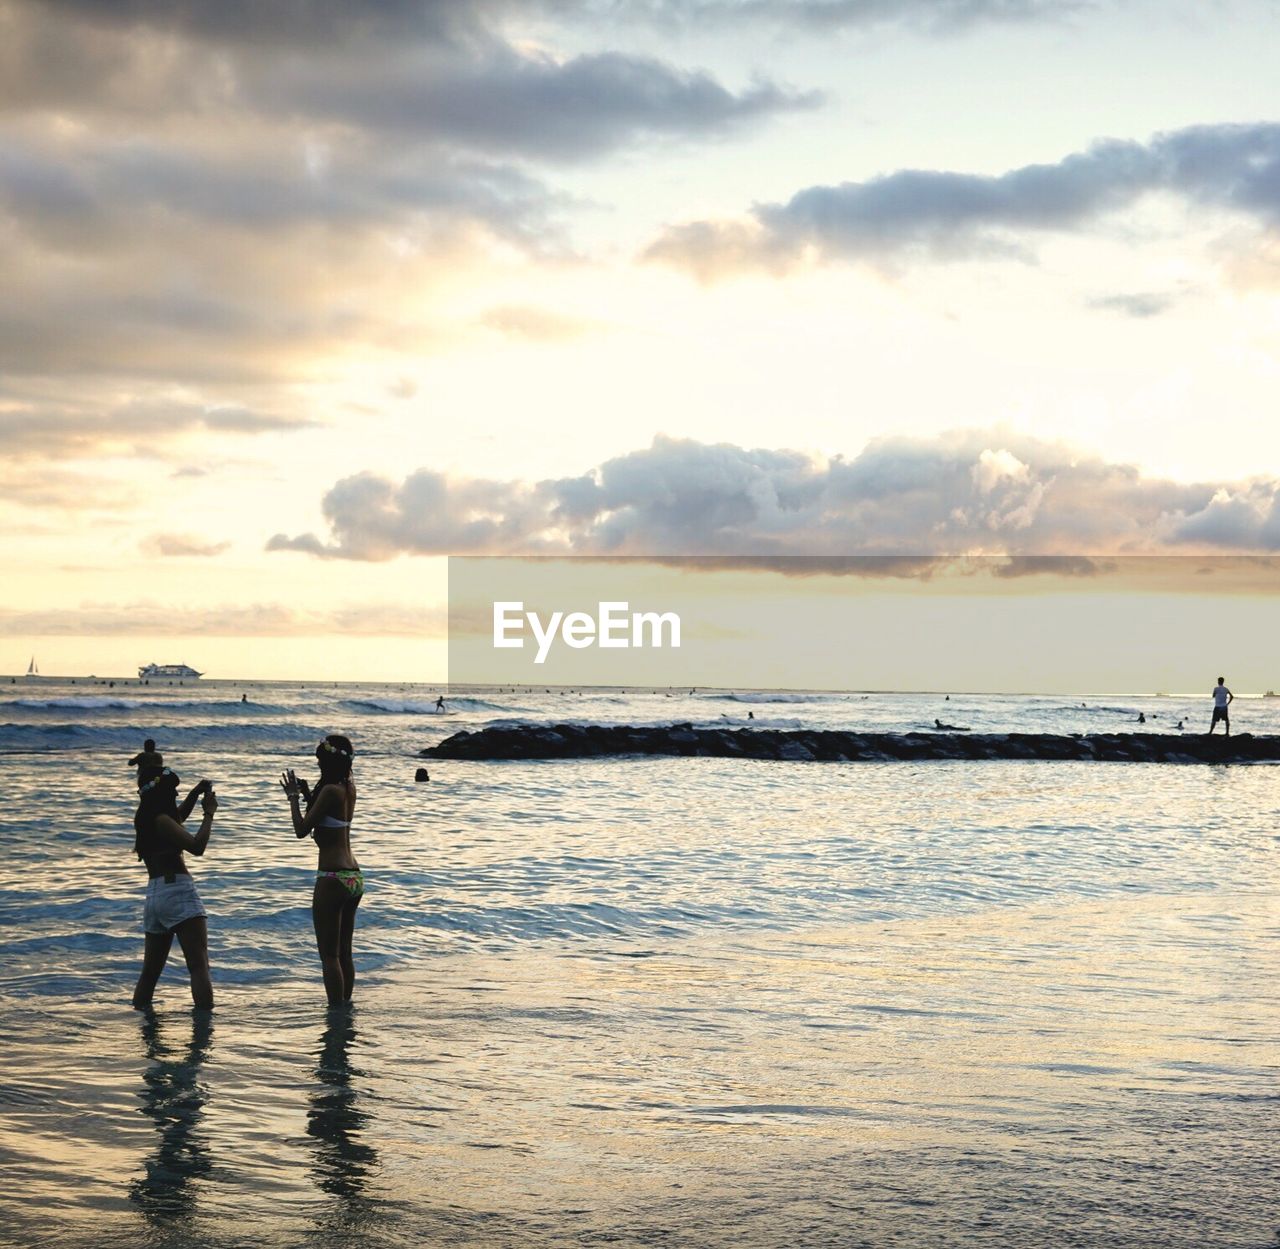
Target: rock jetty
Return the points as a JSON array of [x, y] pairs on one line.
[[583, 741]]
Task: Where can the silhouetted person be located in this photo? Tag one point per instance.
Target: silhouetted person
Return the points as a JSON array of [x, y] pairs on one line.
[[1222, 699], [440, 703], [751, 715], [147, 757], [1142, 719]]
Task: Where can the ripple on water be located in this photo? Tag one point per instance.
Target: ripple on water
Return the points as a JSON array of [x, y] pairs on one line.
[[1016, 1006]]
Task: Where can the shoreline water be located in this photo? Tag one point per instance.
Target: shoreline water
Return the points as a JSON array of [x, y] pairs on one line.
[[605, 1001]]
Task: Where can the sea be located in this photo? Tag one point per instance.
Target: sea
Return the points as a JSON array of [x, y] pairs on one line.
[[645, 1001]]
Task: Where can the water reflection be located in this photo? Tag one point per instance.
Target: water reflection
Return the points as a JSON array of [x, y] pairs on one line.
[[174, 1098], [343, 1163]]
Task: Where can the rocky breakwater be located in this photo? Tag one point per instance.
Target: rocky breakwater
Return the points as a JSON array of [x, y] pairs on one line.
[[584, 741]]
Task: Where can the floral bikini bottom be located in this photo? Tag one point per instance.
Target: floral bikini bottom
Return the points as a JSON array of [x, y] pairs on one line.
[[352, 881]]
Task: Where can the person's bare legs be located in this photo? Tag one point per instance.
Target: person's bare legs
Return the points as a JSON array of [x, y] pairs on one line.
[[193, 935], [347, 927], [326, 914], [154, 958]]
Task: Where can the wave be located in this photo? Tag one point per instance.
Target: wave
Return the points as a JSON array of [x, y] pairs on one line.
[[633, 722], [16, 738], [74, 704], [760, 722], [419, 706], [105, 702], [779, 698]]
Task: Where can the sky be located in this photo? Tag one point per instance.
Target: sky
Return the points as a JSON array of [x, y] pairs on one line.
[[301, 298]]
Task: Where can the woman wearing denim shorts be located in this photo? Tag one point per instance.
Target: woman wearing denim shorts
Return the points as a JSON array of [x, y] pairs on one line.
[[173, 906]]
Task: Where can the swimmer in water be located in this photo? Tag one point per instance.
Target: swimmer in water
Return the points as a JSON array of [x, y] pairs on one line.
[[147, 757]]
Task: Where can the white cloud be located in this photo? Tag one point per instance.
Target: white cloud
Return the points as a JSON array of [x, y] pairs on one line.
[[967, 492]]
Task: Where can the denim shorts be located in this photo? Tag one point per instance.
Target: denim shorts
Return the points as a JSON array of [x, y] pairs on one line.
[[170, 901]]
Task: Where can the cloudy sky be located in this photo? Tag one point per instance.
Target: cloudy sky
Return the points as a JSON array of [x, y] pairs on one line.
[[301, 296]]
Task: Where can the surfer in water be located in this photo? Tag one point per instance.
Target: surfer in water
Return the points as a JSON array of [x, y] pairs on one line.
[[440, 703], [339, 881]]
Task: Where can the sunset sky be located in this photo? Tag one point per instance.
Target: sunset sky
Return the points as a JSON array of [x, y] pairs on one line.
[[299, 298]]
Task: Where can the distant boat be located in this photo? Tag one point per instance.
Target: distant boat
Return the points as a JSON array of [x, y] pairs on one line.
[[32, 670], [175, 671], [1271, 694]]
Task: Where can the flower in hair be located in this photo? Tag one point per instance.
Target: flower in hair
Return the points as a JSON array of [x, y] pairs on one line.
[[154, 781], [336, 750]]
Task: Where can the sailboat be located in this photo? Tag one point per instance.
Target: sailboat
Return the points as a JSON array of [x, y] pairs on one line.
[[32, 670]]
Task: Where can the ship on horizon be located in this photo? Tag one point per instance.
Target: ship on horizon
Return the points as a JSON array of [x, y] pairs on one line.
[[174, 671]]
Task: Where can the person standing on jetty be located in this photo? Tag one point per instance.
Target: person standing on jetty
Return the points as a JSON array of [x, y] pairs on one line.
[[1222, 698], [339, 880], [173, 906]]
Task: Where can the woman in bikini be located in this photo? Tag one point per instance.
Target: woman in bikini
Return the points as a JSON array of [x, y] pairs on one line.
[[173, 906], [339, 880]]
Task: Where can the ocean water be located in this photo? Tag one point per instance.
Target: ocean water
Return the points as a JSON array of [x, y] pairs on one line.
[[639, 1001]]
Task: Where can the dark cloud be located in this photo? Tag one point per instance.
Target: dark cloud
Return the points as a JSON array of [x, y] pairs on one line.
[[45, 488], [945, 215], [200, 192], [970, 492], [316, 24], [134, 429], [306, 23], [481, 96], [825, 16], [1235, 518], [79, 194], [135, 259], [527, 105]]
